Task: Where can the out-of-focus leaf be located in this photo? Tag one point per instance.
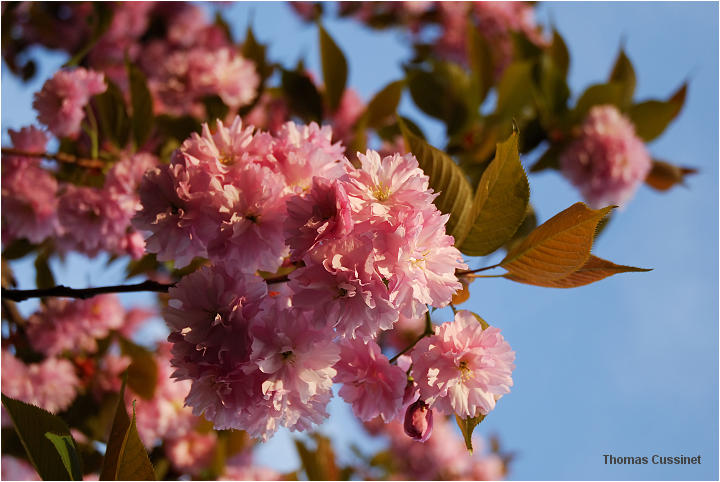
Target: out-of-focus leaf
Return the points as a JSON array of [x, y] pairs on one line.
[[215, 108], [101, 20], [257, 52], [302, 95], [500, 202], [384, 103], [65, 446], [528, 224], [481, 64], [142, 373], [467, 426], [141, 266], [652, 117], [222, 24], [599, 94], [112, 115], [556, 248], [559, 54], [554, 92], [43, 274], [334, 68], [446, 178], [443, 93], [31, 424], [514, 90], [179, 128], [125, 456], [320, 463], [549, 159], [594, 269], [18, 249], [664, 175], [142, 105], [623, 74]]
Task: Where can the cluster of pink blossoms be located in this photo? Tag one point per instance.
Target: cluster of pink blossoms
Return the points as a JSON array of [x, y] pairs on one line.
[[79, 218], [367, 245], [607, 162]]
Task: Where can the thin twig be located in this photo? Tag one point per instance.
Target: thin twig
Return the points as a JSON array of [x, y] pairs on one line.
[[62, 157], [85, 293], [429, 330]]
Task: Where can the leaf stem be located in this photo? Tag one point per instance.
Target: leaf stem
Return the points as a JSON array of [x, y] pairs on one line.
[[92, 132], [428, 331], [464, 272]]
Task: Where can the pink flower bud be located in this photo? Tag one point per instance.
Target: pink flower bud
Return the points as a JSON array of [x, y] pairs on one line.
[[418, 421]]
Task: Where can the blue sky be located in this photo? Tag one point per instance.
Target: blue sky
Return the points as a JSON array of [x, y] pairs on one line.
[[627, 366]]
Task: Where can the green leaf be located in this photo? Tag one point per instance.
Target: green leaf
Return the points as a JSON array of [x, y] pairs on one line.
[[334, 68], [594, 269], [550, 159], [652, 117], [446, 178], [623, 74], [179, 128], [112, 115], [302, 95], [599, 94], [514, 90], [500, 202], [664, 175], [559, 54], [467, 426], [443, 93], [384, 103], [554, 92], [556, 248], [257, 52], [43, 274], [65, 446], [18, 249], [142, 105], [31, 424], [481, 64], [142, 373], [125, 456], [101, 19], [215, 108]]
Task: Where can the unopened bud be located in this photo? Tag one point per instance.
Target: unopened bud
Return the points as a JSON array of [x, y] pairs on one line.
[[418, 421]]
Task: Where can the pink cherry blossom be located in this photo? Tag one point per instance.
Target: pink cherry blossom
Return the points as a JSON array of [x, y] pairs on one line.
[[61, 101], [250, 234], [320, 215], [75, 326], [191, 452], [420, 261], [163, 416], [29, 203], [347, 114], [209, 314], [607, 162], [305, 151], [463, 368], [370, 383], [384, 186], [341, 286], [14, 468], [51, 384], [180, 209], [297, 357]]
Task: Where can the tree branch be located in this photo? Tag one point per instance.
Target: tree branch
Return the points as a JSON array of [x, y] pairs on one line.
[[85, 293], [59, 157]]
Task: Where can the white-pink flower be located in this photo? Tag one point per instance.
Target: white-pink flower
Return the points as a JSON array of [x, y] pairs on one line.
[[74, 326], [320, 215], [384, 186], [370, 383], [61, 101], [607, 162], [51, 384], [297, 357], [343, 289], [463, 368], [419, 260]]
